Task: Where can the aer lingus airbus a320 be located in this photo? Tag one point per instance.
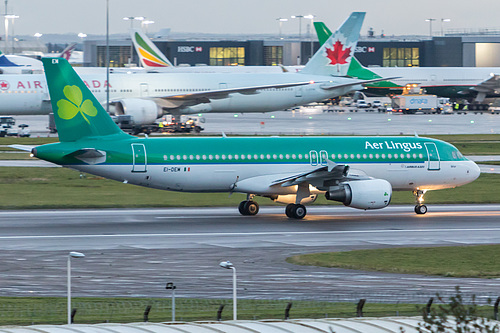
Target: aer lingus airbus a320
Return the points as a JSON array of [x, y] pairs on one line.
[[360, 172]]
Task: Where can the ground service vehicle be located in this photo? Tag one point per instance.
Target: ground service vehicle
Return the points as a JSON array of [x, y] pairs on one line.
[[411, 104]]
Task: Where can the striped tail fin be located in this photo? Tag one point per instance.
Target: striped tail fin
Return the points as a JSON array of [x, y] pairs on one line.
[[151, 57]]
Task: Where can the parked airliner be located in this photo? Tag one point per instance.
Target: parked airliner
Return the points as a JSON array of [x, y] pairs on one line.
[[360, 172], [452, 82], [147, 96]]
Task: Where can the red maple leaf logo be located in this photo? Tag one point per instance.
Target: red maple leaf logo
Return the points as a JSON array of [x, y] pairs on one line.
[[338, 55], [4, 85]]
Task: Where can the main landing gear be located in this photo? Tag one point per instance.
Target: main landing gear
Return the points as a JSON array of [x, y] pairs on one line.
[[420, 208], [295, 211], [248, 207]]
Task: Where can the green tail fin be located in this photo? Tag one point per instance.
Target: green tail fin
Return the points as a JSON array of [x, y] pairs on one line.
[[322, 31], [77, 113]]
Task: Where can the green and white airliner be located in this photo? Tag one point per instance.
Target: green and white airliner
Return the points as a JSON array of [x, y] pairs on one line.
[[360, 172]]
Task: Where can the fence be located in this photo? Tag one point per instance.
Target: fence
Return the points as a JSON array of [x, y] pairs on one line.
[[28, 311]]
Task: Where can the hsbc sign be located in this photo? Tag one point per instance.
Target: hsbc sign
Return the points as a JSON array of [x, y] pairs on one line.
[[189, 49], [365, 49]]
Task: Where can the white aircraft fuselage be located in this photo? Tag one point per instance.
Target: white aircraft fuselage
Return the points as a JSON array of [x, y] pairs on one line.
[[28, 95]]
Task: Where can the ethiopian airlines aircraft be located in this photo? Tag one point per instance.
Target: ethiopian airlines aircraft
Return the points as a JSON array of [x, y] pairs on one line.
[[148, 96], [153, 60], [360, 172]]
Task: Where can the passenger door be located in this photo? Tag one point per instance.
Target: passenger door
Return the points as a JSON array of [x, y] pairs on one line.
[[139, 159], [433, 156]]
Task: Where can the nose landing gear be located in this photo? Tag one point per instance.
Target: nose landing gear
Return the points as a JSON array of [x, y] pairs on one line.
[[420, 208]]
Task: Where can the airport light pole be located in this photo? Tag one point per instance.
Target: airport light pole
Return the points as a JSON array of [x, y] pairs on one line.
[[311, 17], [71, 255], [171, 285], [229, 265], [132, 19], [430, 24], [37, 35], [443, 20], [300, 17], [145, 24], [7, 18], [280, 23]]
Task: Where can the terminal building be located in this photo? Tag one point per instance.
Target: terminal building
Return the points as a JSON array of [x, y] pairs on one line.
[[451, 50]]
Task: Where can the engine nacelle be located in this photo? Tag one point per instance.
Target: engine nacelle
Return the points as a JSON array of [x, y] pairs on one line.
[[198, 108], [143, 111], [362, 194], [290, 199]]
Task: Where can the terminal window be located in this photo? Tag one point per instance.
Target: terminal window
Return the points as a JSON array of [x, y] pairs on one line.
[[227, 56], [118, 56], [273, 55], [401, 57]]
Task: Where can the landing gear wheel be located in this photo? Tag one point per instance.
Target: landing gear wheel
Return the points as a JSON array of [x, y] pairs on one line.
[[420, 209], [251, 208], [288, 210], [299, 211], [295, 211], [241, 207]]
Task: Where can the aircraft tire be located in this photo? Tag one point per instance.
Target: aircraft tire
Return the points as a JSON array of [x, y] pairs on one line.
[[420, 209], [241, 207], [251, 208], [288, 210], [299, 211]]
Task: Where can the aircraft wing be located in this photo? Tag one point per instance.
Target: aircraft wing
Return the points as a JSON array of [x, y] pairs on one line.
[[322, 177], [331, 171], [206, 96]]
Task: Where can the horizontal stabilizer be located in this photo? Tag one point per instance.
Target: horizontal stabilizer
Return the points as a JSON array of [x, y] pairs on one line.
[[22, 147], [328, 86]]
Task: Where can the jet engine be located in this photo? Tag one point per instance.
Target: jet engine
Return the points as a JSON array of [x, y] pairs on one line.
[[143, 111], [362, 194]]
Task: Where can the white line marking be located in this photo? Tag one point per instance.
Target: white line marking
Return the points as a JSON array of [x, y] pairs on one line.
[[279, 233]]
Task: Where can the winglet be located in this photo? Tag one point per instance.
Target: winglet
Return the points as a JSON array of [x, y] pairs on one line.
[[150, 56]]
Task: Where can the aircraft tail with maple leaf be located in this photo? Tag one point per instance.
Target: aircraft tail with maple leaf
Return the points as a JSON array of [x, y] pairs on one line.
[[335, 55]]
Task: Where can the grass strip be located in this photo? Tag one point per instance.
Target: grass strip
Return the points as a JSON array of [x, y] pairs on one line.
[[480, 261], [27, 188]]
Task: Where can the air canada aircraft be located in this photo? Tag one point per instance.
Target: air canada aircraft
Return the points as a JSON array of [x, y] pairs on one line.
[[15, 64], [474, 83], [147, 96], [360, 172]]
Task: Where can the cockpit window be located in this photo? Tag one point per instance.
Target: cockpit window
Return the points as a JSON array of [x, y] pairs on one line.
[[459, 154], [454, 154]]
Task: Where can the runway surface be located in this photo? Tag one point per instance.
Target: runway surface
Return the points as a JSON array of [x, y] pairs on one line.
[[134, 252]]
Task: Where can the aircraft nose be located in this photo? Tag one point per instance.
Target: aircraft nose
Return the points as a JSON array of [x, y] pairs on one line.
[[473, 170]]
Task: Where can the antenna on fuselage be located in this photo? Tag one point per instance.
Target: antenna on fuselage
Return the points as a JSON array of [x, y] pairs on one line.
[[416, 135], [224, 135]]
